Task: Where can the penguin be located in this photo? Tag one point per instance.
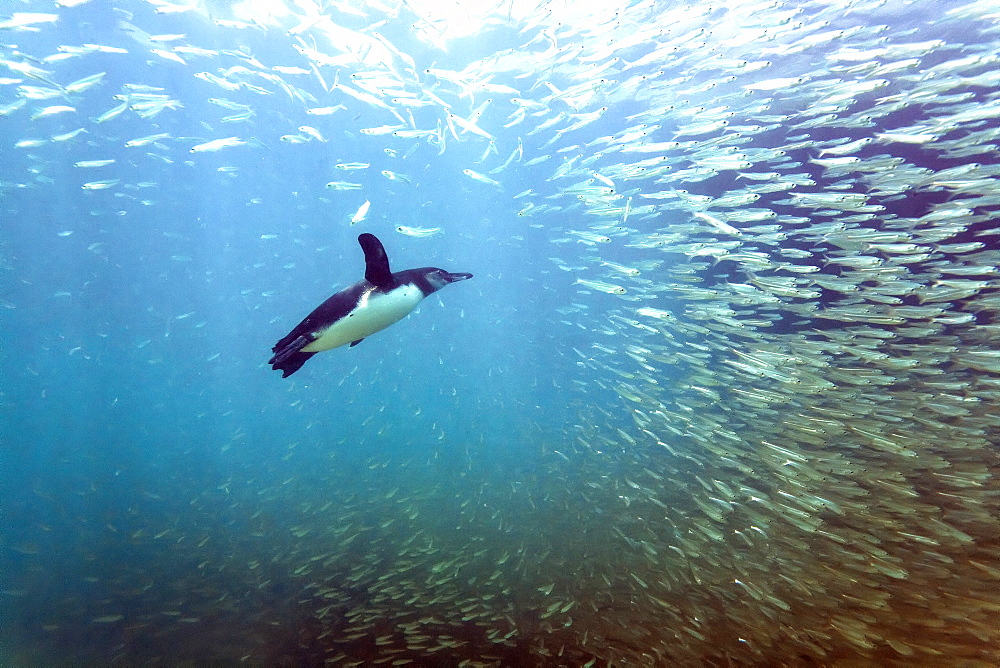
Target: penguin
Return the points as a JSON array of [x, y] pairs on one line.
[[368, 306]]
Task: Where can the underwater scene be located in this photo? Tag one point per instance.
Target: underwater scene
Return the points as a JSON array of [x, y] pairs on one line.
[[513, 333]]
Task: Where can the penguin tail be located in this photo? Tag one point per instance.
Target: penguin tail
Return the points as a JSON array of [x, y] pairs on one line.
[[291, 364], [288, 357]]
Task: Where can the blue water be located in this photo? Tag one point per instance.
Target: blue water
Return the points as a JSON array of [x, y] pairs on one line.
[[168, 499], [139, 417]]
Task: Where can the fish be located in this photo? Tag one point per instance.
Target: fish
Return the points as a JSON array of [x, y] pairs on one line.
[[537, 160], [52, 111], [217, 144], [25, 19], [476, 176], [228, 104], [168, 55], [240, 117], [361, 213], [601, 286], [343, 185], [312, 132], [66, 136], [325, 111], [30, 143], [115, 111], [145, 141], [107, 619], [628, 271], [88, 164], [101, 185], [393, 176], [85, 83], [382, 130], [468, 126], [11, 107], [419, 231], [719, 225]]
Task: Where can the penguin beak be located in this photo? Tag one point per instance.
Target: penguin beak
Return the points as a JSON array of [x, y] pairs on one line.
[[456, 277]]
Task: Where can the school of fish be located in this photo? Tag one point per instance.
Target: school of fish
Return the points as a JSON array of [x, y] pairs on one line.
[[779, 259]]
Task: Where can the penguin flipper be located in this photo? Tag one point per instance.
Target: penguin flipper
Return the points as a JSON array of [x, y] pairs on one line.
[[288, 355], [377, 270]]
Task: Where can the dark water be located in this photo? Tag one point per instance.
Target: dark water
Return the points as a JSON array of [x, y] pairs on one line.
[[526, 470]]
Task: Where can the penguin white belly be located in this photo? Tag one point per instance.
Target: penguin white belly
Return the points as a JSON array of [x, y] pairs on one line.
[[374, 312]]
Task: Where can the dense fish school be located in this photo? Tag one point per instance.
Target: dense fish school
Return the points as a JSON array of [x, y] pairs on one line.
[[771, 292]]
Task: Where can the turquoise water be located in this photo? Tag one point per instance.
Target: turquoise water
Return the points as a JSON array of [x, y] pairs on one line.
[[722, 390]]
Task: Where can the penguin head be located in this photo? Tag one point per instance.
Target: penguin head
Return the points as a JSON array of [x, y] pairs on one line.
[[438, 278]]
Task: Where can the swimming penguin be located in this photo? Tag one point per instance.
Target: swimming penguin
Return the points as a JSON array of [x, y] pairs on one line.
[[366, 307]]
